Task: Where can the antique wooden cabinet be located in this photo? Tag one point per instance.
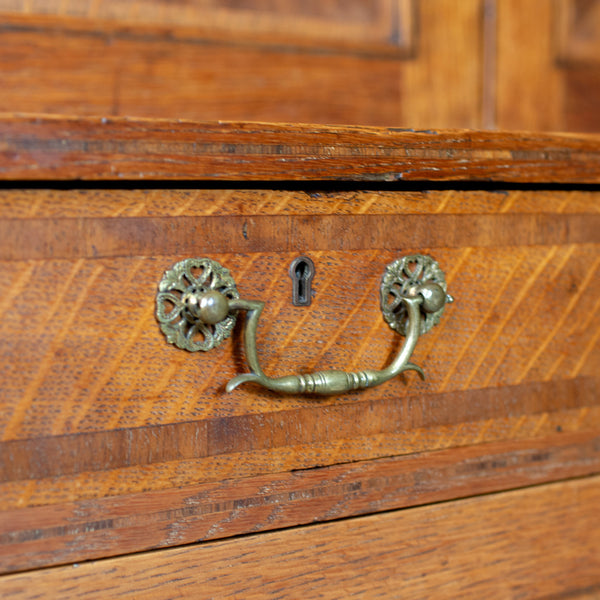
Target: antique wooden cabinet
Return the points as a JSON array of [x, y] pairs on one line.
[[128, 470], [493, 64]]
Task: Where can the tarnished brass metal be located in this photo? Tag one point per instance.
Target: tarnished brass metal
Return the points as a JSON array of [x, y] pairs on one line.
[[409, 277], [193, 305], [197, 303]]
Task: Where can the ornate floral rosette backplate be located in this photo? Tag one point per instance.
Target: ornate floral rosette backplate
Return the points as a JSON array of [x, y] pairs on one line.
[[193, 277], [401, 279]]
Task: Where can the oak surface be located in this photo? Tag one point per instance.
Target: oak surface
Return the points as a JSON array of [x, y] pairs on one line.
[[531, 543], [493, 64], [371, 27], [104, 424], [384, 62], [113, 525], [112, 441], [66, 148], [548, 65]]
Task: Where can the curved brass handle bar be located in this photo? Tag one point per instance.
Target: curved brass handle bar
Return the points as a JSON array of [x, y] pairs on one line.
[[324, 382]]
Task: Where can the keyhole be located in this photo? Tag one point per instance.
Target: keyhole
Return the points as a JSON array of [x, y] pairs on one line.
[[302, 271]]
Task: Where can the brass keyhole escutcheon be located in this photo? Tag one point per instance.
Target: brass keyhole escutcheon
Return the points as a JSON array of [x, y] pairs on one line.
[[302, 271]]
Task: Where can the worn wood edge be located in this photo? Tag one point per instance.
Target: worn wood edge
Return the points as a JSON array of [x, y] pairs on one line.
[[72, 532], [535, 542], [85, 486], [52, 147]]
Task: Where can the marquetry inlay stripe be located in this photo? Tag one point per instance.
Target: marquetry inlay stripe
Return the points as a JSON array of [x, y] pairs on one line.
[[36, 536]]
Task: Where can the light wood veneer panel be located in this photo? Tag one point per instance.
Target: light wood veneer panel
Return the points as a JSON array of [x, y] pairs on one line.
[[533, 319], [103, 73], [548, 65]]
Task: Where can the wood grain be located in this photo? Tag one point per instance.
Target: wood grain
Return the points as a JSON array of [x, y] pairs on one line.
[[103, 73], [530, 92], [535, 306], [555, 84], [537, 542], [100, 405], [389, 62], [380, 27], [578, 31], [433, 64], [442, 85], [77, 531], [53, 202], [583, 97], [113, 442], [62, 148], [52, 469]]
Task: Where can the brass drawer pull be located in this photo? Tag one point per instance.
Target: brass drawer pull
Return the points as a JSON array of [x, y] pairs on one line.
[[198, 301]]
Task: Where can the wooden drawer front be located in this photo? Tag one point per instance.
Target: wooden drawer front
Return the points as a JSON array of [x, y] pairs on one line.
[[115, 441], [535, 543]]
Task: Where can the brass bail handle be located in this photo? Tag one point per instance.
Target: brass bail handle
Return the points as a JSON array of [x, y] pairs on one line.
[[198, 301]]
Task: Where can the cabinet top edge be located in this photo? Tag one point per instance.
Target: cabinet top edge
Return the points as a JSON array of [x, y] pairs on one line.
[[65, 148]]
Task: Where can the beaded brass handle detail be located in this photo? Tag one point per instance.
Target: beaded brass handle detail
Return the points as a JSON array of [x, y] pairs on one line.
[[198, 301]]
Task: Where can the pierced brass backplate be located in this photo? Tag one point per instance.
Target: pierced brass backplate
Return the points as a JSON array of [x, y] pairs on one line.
[[192, 307], [409, 277]]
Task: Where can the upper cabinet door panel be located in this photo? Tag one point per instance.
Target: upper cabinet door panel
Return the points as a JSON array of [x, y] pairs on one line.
[[385, 62], [548, 65], [368, 26]]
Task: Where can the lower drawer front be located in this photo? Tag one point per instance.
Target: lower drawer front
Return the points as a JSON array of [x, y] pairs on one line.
[[534, 543], [102, 417]]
